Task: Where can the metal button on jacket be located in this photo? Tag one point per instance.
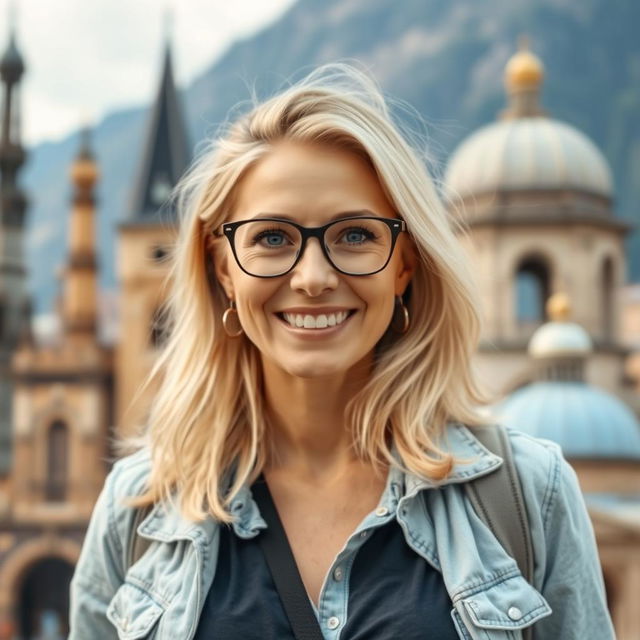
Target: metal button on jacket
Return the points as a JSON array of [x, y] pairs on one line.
[[514, 613], [333, 622]]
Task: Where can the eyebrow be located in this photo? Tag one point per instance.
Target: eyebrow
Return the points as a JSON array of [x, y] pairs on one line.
[[338, 216]]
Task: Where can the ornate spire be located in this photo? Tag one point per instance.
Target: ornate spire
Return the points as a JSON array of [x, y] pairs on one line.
[[523, 76], [80, 277], [11, 63], [166, 152]]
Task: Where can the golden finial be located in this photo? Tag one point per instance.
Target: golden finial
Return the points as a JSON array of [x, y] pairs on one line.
[[524, 69], [559, 307]]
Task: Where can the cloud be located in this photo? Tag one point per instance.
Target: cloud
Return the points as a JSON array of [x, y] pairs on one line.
[[85, 59]]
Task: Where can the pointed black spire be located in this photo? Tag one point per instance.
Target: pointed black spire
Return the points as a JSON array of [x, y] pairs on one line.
[[11, 63], [166, 152]]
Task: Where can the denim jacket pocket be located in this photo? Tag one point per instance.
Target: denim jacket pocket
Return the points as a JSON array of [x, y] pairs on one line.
[[506, 608], [134, 613]]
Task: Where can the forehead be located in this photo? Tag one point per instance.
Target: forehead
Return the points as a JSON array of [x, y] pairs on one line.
[[309, 182]]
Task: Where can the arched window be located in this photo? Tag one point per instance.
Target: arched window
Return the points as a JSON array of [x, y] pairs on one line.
[[159, 327], [607, 281], [57, 452], [532, 290], [43, 605]]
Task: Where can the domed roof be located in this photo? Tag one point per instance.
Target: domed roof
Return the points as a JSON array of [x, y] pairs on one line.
[[559, 338], [585, 421], [526, 150], [527, 153], [554, 339]]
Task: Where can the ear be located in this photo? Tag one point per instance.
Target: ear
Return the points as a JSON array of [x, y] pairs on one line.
[[407, 264], [221, 258]]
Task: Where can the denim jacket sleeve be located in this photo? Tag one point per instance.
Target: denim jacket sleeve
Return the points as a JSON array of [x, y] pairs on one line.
[[568, 570], [573, 583]]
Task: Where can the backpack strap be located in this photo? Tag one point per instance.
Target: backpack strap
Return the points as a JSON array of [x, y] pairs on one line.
[[137, 545], [497, 498]]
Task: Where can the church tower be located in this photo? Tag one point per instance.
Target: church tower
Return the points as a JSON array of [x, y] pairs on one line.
[[14, 306], [145, 240], [536, 196], [62, 421]]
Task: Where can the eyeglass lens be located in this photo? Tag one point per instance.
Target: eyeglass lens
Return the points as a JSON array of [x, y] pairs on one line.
[[267, 248]]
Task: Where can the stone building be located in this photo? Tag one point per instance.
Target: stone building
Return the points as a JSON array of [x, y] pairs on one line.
[[600, 437], [534, 196], [67, 396]]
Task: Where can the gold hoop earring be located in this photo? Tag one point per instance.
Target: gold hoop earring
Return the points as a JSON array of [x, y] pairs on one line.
[[400, 321], [229, 317]]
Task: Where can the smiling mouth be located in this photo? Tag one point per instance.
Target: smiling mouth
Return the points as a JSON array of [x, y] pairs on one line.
[[320, 321]]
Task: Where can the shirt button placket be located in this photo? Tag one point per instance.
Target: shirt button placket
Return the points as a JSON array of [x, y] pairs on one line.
[[333, 623], [338, 574]]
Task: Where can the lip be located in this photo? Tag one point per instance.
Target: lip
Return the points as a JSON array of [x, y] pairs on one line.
[[315, 311], [312, 334]]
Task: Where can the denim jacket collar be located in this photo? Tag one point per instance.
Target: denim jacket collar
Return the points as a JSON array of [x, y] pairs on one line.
[[473, 460]]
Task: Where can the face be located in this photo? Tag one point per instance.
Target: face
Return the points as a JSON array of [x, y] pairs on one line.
[[312, 185]]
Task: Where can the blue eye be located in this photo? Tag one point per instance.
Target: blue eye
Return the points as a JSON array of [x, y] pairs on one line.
[[273, 238], [357, 235]]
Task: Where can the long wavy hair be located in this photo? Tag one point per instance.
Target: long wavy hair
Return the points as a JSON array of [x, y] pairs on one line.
[[207, 429]]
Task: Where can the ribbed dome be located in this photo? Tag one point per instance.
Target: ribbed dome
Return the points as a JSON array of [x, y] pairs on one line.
[[527, 153], [526, 150], [554, 339], [586, 422]]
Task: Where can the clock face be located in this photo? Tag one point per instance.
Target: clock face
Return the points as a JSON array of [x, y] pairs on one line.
[[160, 190]]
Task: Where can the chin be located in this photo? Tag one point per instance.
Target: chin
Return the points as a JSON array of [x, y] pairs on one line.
[[315, 366]]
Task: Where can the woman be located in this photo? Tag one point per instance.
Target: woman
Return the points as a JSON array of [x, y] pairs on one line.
[[323, 321]]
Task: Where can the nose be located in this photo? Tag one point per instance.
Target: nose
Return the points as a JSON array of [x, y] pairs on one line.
[[313, 274]]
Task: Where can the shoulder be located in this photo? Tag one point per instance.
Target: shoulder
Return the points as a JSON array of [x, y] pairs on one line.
[[548, 481], [130, 474]]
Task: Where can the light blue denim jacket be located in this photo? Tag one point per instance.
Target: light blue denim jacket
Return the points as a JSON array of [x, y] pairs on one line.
[[161, 596]]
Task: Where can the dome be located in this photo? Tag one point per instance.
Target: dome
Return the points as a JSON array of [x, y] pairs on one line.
[[585, 421], [527, 153], [560, 338], [526, 150], [555, 339]]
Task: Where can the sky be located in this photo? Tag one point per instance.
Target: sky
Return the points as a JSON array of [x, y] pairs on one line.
[[87, 58]]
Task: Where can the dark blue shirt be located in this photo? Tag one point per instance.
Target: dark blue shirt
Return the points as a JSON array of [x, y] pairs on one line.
[[392, 593]]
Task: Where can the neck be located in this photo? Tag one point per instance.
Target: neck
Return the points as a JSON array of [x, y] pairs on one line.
[[308, 431]]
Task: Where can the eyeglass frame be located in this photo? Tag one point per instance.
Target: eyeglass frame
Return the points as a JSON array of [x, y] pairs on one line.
[[228, 229]]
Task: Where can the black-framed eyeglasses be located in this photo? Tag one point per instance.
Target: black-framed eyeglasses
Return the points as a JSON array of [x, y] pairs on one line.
[[271, 247]]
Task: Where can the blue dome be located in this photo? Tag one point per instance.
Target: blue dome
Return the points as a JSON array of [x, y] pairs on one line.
[[586, 422]]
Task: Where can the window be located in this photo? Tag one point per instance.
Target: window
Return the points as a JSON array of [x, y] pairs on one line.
[[57, 448], [532, 290], [607, 308]]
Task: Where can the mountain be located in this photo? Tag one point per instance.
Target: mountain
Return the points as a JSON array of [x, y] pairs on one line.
[[443, 57]]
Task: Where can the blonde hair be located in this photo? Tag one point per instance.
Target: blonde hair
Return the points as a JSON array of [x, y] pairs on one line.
[[207, 428]]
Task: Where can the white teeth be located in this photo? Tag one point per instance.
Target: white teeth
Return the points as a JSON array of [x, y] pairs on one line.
[[321, 321]]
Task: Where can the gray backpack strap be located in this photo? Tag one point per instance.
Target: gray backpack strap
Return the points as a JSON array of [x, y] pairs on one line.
[[497, 498], [137, 545]]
